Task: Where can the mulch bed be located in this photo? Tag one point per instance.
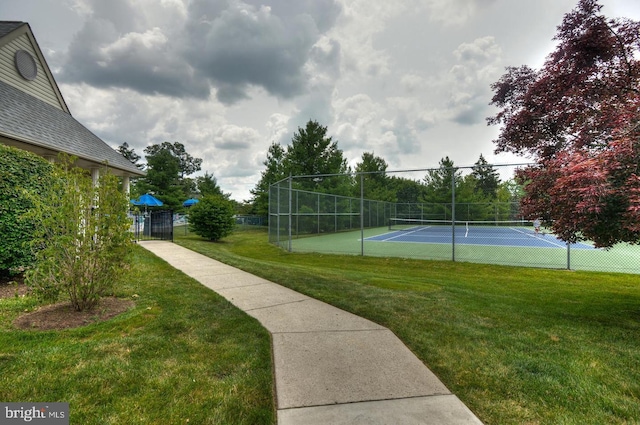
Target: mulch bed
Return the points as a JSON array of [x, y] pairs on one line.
[[60, 315], [63, 316]]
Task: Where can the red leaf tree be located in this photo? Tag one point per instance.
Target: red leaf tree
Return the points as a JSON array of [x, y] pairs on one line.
[[579, 119]]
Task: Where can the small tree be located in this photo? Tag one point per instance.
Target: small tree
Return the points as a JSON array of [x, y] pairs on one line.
[[212, 217], [82, 240]]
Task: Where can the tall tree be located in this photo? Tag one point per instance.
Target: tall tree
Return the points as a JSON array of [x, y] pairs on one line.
[[133, 157], [162, 179], [311, 152], [438, 181], [407, 191], [437, 192], [273, 173], [208, 185], [187, 164], [376, 182], [507, 205], [487, 178], [578, 117], [130, 154], [167, 167]]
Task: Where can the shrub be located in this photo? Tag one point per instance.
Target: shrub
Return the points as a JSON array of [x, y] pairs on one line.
[[23, 177], [212, 217], [82, 238]]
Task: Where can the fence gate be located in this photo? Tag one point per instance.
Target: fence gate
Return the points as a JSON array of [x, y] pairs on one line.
[[154, 225]]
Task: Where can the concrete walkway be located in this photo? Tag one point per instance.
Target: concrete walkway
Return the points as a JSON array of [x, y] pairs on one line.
[[331, 367]]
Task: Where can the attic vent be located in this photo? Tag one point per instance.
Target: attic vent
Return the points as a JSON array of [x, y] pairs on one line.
[[26, 65]]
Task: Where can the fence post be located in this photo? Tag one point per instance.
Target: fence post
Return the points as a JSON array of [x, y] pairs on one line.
[[290, 213], [277, 236], [335, 214], [568, 256], [362, 214], [453, 214]]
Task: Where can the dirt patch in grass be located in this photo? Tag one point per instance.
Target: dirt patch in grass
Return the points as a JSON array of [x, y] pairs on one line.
[[12, 286], [61, 315]]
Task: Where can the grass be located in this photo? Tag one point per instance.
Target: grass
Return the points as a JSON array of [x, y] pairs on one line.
[[182, 355], [517, 345]]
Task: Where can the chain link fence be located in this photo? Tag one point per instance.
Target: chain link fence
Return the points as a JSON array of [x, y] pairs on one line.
[[304, 216]]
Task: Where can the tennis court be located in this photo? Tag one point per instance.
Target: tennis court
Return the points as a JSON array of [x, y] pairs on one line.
[[543, 251], [314, 222], [507, 233]]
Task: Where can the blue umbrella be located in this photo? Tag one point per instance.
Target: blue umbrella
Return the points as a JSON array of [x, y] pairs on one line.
[[190, 202], [148, 201]]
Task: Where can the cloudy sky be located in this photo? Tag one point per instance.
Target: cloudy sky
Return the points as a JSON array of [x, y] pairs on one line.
[[408, 80]]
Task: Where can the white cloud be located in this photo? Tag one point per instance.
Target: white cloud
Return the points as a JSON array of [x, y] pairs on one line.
[[407, 80], [454, 12]]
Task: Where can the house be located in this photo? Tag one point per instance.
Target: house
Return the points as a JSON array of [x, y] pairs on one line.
[[34, 116]]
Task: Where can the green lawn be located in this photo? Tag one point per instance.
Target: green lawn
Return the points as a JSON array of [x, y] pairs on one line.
[[517, 345], [182, 355]]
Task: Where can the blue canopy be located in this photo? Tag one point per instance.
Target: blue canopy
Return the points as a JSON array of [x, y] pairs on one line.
[[190, 202], [147, 200]]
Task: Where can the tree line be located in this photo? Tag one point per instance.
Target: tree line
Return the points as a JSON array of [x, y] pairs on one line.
[[312, 153]]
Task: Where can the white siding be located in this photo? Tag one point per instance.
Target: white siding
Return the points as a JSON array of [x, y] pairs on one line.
[[40, 87]]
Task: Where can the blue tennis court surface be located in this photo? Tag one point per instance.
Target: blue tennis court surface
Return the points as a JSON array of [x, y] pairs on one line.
[[491, 236]]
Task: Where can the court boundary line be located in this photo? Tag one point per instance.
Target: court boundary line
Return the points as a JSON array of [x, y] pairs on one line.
[[400, 234], [542, 239]]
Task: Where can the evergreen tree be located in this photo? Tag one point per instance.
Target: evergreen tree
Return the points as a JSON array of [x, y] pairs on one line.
[[487, 178], [438, 182], [311, 152], [130, 154], [376, 182], [272, 174], [208, 185]]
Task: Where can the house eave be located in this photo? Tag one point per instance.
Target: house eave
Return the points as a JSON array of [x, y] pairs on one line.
[[81, 161]]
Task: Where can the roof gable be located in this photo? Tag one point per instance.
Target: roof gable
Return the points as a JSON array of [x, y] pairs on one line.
[[17, 40], [26, 120], [33, 113], [7, 26]]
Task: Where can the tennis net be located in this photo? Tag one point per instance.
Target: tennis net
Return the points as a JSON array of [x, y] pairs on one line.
[[489, 226]]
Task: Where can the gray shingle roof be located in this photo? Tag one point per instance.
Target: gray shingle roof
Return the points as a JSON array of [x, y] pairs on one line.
[[28, 119], [7, 26]]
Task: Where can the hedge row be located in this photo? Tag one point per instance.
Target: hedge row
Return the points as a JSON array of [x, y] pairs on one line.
[[23, 175]]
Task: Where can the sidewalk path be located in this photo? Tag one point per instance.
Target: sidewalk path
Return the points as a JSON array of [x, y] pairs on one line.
[[331, 367]]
